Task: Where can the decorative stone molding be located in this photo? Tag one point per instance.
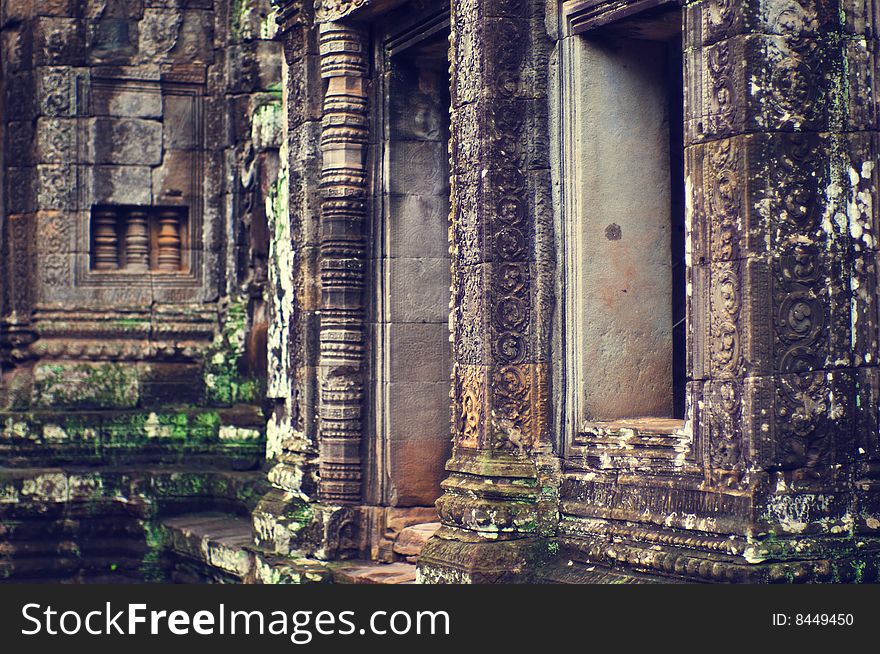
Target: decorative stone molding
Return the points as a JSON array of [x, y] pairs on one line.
[[335, 10], [288, 12], [588, 14], [325, 11]]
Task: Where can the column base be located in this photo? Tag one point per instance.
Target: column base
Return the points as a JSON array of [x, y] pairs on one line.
[[289, 526], [450, 558]]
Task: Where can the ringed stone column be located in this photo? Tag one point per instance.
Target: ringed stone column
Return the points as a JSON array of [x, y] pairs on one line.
[[106, 241], [781, 158], [492, 510], [169, 255], [313, 509], [343, 52]]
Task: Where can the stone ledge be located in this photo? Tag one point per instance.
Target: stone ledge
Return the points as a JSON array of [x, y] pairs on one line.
[[635, 443], [219, 541], [364, 572]]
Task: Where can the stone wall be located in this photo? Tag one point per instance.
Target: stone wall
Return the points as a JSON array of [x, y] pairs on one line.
[[770, 479], [130, 108]]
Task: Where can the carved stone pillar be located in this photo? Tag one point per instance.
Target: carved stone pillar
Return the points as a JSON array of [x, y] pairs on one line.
[[280, 523], [106, 244], [343, 52], [492, 510], [137, 242], [168, 257], [781, 156], [317, 278]]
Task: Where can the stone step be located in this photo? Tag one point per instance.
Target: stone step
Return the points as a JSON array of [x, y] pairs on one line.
[[411, 540], [219, 541], [370, 572]]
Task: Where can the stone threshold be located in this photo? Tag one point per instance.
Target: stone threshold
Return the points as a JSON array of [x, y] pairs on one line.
[[372, 572], [219, 541], [633, 443], [223, 546]]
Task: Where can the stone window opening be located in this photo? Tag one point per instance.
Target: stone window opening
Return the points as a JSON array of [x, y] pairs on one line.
[[625, 242], [138, 239]]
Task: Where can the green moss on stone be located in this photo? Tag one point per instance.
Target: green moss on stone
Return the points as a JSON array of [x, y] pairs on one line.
[[223, 380], [105, 385], [151, 564], [126, 428], [859, 570]]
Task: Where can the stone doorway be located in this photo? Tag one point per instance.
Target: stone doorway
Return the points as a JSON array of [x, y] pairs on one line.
[[411, 363]]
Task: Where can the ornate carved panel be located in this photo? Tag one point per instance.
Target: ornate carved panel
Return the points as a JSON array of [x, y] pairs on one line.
[[715, 20], [498, 379]]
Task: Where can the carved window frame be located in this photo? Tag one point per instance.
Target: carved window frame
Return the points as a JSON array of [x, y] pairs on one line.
[[575, 18], [188, 280], [579, 16]]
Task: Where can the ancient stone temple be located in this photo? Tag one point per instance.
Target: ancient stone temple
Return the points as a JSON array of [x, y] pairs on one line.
[[381, 291]]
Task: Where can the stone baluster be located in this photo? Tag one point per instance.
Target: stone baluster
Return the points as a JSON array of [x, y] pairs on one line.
[[169, 241], [137, 242], [106, 250]]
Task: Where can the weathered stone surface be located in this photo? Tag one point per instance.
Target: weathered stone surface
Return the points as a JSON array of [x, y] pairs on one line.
[[377, 573], [20, 190], [122, 185], [412, 540], [59, 41], [126, 142], [219, 541], [128, 103], [179, 122], [85, 385], [159, 31], [252, 68], [56, 140], [170, 383], [55, 186], [103, 101], [55, 91], [195, 37], [173, 181], [179, 226]]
